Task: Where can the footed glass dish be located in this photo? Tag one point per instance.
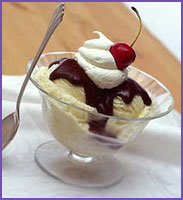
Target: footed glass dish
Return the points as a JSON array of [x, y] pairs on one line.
[[78, 155]]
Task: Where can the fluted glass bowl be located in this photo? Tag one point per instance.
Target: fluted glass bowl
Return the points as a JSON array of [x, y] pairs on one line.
[[79, 155]]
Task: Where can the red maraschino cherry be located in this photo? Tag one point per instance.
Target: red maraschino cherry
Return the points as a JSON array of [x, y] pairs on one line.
[[124, 54]]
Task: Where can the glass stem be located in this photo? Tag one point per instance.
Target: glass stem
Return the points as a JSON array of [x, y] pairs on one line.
[[79, 158]]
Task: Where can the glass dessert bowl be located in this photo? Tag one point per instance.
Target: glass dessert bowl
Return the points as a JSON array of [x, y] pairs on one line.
[[82, 153]]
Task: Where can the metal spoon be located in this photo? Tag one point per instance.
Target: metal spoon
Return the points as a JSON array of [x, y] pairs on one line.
[[11, 123]]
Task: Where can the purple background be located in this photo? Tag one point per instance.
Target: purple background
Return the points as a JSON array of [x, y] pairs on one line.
[[88, 1]]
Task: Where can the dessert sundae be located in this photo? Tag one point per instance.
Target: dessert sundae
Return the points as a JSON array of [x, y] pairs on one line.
[[95, 80], [94, 103]]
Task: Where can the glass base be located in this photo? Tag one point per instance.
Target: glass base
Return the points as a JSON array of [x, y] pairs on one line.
[[77, 169]]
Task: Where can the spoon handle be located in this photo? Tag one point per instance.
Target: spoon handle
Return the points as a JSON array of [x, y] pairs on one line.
[[54, 22]]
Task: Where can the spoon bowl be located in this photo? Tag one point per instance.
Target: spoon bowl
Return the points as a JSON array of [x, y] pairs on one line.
[[10, 126]]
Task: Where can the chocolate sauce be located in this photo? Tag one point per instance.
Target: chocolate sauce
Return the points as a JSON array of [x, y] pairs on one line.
[[101, 99], [98, 127]]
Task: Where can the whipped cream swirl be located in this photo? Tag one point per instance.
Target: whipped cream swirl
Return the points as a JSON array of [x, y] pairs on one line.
[[97, 61]]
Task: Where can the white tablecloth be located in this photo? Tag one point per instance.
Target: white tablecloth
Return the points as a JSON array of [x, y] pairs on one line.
[[151, 164]]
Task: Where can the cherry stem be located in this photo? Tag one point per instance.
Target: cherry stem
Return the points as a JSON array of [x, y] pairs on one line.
[[137, 13]]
